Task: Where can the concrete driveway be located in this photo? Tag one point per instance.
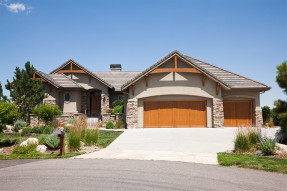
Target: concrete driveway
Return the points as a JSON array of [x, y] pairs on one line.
[[198, 145]]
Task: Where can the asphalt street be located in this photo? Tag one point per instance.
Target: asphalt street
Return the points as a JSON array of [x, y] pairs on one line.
[[99, 174]]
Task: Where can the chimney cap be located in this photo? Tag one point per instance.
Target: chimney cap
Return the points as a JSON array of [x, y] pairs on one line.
[[116, 67]]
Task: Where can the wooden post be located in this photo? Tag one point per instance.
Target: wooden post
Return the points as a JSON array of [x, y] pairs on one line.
[[133, 86], [217, 88], [203, 79], [62, 141], [175, 62], [71, 66]]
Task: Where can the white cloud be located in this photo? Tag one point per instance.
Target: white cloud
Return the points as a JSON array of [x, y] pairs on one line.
[[16, 7]]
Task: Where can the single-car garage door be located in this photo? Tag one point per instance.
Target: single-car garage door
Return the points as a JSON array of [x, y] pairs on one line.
[[174, 114], [237, 113]]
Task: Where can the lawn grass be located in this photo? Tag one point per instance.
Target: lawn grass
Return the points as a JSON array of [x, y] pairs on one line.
[[253, 162], [107, 137], [37, 156]]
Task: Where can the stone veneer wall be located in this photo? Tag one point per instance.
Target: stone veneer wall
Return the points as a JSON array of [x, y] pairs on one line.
[[114, 118], [258, 118], [105, 103], [50, 102], [218, 114], [36, 122], [132, 114]]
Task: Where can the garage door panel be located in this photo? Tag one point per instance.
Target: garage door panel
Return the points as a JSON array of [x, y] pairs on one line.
[[181, 113], [151, 114], [166, 113], [198, 114], [237, 113]]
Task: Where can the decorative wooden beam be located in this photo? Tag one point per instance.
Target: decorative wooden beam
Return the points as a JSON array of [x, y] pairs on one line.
[[133, 86], [203, 79], [90, 78], [146, 80], [34, 76], [166, 70], [72, 71], [71, 66], [50, 85], [175, 62], [217, 88]]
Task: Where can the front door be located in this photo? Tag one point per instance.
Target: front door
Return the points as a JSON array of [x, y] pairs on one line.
[[95, 104]]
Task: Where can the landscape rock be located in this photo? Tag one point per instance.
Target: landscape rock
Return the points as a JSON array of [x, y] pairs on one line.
[[41, 148], [281, 148], [82, 144], [1, 150], [9, 127], [31, 141]]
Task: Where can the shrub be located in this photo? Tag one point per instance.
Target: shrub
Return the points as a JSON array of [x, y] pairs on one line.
[[47, 112], [38, 130], [109, 110], [119, 124], [67, 129], [8, 141], [268, 146], [91, 136], [72, 120], [118, 102], [41, 139], [110, 125], [47, 129], [119, 109], [2, 127], [28, 149], [26, 130], [8, 112], [253, 136], [52, 141], [242, 142], [266, 114], [19, 125]]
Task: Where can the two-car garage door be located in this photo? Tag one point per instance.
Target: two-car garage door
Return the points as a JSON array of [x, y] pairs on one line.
[[174, 114]]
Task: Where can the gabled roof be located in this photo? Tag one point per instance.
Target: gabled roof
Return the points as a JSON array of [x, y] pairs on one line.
[[59, 80], [117, 78], [82, 68], [227, 79]]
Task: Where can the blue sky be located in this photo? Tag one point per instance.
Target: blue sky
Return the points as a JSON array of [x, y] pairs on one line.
[[246, 37]]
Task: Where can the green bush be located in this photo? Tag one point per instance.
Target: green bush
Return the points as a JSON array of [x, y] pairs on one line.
[[26, 130], [268, 146], [118, 102], [266, 114], [72, 120], [67, 129], [41, 139], [2, 127], [119, 109], [119, 124], [29, 149], [74, 140], [38, 130], [110, 125], [8, 141], [52, 141], [91, 136], [254, 137], [8, 113], [242, 142], [47, 129], [47, 112], [19, 125]]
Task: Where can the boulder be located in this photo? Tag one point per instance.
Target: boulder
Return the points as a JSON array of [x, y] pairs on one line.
[[281, 148], [82, 144], [30, 141], [41, 148]]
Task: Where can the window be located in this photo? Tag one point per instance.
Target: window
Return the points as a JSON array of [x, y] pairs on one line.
[[67, 97]]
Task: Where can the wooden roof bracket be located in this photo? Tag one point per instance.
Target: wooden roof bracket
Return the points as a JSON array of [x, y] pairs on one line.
[[203, 79], [133, 86], [146, 80], [217, 88], [175, 62]]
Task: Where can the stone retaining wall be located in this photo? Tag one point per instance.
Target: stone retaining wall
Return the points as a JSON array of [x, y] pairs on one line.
[[109, 117], [36, 122]]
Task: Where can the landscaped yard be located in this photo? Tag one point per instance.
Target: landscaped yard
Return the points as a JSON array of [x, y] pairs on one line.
[[107, 137], [253, 162]]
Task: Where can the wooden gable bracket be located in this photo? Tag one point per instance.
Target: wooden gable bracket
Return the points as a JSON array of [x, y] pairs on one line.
[[72, 71], [217, 88], [146, 80], [203, 79], [71, 66], [167, 70], [90, 78], [50, 86], [175, 62], [133, 86]]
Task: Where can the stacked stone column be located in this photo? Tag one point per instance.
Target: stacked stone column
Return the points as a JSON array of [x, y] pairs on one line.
[[218, 114], [132, 114], [105, 103], [50, 102], [258, 117]]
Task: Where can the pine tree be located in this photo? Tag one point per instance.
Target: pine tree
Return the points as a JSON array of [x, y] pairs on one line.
[[25, 92], [281, 105], [2, 97]]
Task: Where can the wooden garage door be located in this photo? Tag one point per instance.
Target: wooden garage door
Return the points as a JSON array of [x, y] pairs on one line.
[[237, 113], [174, 114]]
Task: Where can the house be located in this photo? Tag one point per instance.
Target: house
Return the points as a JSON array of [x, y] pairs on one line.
[[177, 91]]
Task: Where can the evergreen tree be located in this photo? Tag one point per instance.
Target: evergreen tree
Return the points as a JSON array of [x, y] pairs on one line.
[[281, 105], [2, 97], [25, 92]]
